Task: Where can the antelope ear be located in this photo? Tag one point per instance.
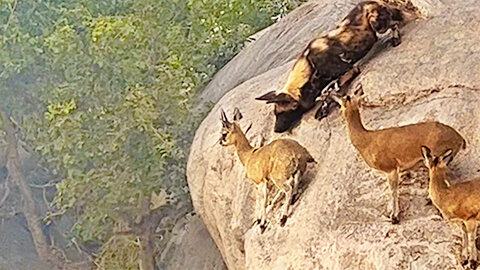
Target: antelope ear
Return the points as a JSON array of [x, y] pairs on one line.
[[237, 115], [427, 157], [447, 156], [225, 122], [358, 91]]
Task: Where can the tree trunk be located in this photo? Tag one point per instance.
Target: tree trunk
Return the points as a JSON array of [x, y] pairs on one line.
[[146, 258], [29, 205]]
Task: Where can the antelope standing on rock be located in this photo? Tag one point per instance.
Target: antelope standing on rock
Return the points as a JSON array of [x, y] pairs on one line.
[[395, 149], [456, 202], [283, 162]]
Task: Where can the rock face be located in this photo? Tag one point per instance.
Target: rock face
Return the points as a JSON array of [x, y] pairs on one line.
[[339, 220], [195, 249]]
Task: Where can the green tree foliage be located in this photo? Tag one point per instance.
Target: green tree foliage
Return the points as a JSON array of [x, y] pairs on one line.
[[104, 90]]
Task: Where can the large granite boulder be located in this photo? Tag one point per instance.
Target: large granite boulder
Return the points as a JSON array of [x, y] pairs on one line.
[[339, 220]]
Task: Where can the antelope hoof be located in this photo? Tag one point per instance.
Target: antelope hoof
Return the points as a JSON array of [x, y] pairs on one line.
[[473, 264], [263, 227], [429, 202], [465, 263], [283, 220], [293, 200], [395, 219]]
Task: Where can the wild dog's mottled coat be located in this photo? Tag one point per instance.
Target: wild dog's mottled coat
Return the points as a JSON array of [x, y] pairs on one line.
[[328, 57]]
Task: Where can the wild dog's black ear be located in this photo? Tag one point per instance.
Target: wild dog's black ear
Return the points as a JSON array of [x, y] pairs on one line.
[[379, 19], [237, 115], [397, 14], [225, 122], [273, 97], [447, 156], [268, 96], [426, 154]]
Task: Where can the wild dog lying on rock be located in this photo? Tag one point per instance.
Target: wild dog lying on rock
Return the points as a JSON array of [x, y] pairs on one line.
[[283, 162], [327, 58]]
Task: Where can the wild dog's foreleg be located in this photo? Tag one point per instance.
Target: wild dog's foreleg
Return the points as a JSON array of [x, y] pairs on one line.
[[324, 109], [392, 179], [396, 39], [340, 87]]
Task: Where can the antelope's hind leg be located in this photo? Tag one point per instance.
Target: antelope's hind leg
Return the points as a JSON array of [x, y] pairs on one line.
[[464, 255], [288, 189], [274, 201], [296, 182], [471, 227], [392, 179]]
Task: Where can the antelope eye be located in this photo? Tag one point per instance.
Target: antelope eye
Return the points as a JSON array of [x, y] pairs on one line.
[[224, 135]]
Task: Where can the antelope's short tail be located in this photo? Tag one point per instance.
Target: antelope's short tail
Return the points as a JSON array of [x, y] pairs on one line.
[[310, 159]]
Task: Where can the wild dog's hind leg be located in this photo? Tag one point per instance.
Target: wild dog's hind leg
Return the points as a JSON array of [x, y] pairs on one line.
[[339, 86], [392, 179]]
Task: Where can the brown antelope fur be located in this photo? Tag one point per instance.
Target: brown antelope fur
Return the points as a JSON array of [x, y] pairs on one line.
[[456, 202], [326, 58], [395, 149], [283, 162]]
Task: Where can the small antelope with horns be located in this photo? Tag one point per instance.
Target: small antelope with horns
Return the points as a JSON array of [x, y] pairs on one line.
[[283, 162], [392, 150], [330, 56], [456, 202]]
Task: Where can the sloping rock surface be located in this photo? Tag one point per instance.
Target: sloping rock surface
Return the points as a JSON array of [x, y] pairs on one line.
[[339, 220]]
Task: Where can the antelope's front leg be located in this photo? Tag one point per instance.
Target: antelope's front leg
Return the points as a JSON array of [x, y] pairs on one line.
[[263, 206], [396, 38], [393, 183]]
